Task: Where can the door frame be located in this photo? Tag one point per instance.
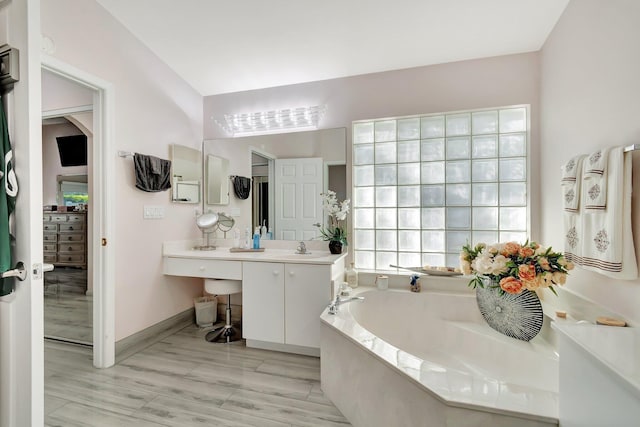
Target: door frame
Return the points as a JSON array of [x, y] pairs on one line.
[[103, 244]]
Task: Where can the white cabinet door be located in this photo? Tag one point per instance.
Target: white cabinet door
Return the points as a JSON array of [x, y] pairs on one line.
[[307, 293], [263, 301]]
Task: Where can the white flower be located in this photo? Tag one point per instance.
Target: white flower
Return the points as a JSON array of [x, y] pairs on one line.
[[465, 267], [483, 263], [499, 265]]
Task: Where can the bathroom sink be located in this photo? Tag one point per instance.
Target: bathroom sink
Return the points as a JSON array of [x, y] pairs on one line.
[[297, 256]]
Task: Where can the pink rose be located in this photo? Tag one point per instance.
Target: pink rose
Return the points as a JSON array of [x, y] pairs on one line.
[[511, 285], [543, 262], [526, 252], [510, 248], [527, 272]]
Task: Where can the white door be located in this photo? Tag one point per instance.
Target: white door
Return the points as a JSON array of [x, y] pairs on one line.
[[21, 313], [298, 184], [263, 301]]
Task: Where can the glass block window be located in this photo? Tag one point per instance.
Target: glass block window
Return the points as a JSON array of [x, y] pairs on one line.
[[424, 186]]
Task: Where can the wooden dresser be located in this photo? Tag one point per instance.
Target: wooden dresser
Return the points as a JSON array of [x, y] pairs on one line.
[[65, 238]]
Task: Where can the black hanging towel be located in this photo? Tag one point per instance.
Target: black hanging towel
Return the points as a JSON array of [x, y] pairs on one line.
[[152, 173], [241, 186]]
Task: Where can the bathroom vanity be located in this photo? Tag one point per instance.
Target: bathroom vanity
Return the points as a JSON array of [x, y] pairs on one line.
[[283, 293]]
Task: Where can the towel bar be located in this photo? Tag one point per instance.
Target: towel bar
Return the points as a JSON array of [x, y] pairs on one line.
[[632, 147]]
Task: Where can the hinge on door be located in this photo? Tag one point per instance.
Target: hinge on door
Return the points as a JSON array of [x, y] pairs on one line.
[[104, 242]]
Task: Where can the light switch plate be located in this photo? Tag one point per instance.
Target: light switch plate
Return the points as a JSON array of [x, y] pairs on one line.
[[153, 212]]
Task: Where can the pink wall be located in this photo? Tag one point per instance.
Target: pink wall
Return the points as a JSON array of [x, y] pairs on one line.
[[153, 109], [589, 99], [489, 82], [51, 166], [59, 93]]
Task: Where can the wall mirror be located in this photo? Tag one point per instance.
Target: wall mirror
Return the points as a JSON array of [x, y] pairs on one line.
[[186, 174], [217, 172], [288, 173]]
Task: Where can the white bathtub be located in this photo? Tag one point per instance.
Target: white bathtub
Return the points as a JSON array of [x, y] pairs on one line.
[[429, 359]]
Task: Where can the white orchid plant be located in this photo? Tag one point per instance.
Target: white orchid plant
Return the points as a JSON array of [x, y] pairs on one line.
[[337, 213]]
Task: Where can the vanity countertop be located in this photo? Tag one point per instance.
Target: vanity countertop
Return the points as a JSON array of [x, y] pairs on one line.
[[184, 249]]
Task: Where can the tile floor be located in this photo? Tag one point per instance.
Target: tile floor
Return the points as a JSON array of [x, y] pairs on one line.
[[185, 381]]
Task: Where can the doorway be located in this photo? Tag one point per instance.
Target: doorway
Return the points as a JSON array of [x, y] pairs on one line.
[[100, 210], [67, 202]]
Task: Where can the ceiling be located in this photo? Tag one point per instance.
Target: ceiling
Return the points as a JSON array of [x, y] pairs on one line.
[[222, 46]]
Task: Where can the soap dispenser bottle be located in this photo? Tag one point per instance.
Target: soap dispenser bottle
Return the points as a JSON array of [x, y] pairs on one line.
[[352, 276], [256, 238], [263, 230]]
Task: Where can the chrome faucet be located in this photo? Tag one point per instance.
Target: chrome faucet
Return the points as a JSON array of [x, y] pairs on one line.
[[333, 306], [302, 248]]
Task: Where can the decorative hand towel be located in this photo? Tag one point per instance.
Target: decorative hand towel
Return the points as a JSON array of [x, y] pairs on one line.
[[570, 185], [594, 181], [606, 238], [596, 163], [241, 186], [570, 169], [152, 174]]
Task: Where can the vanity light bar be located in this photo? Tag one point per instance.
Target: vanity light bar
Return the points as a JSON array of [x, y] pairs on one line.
[[273, 121]]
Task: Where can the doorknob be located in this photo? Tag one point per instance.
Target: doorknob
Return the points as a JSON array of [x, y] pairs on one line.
[[18, 272], [47, 267]]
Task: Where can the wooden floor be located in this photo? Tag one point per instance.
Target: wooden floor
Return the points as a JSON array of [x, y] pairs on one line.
[[185, 381]]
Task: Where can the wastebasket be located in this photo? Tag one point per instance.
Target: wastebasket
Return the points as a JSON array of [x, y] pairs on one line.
[[206, 310]]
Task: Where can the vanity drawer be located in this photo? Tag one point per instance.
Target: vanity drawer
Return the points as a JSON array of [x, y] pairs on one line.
[[208, 268], [71, 258], [72, 227], [49, 247], [71, 247], [47, 226], [68, 237], [50, 237]]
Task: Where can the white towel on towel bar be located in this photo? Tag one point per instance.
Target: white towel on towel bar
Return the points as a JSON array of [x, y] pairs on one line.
[[570, 170], [602, 241], [571, 183], [594, 180]]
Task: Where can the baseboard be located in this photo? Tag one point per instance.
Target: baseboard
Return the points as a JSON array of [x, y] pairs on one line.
[[132, 344], [286, 348]]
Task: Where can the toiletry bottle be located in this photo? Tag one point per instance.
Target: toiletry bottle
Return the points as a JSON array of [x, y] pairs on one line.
[[263, 230], [247, 238], [352, 276], [270, 234], [256, 238], [236, 238]]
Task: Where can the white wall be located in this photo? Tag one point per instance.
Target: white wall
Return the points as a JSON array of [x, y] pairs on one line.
[[590, 71], [490, 82], [60, 93], [51, 166], [153, 108]]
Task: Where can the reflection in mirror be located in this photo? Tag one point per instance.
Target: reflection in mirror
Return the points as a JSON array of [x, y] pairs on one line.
[[217, 180], [280, 165], [186, 174], [73, 190]]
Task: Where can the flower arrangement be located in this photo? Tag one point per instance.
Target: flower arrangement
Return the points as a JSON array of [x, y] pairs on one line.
[[337, 212], [515, 267]]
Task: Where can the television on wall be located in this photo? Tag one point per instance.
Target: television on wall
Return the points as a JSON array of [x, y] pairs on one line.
[[73, 150]]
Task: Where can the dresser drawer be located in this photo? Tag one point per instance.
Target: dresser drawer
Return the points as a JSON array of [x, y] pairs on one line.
[[71, 247], [71, 258], [50, 237], [71, 226], [69, 237], [59, 217], [49, 247], [46, 217], [77, 218], [207, 268], [51, 258], [48, 226]]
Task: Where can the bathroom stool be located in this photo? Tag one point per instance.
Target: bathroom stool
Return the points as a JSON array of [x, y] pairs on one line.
[[227, 333]]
